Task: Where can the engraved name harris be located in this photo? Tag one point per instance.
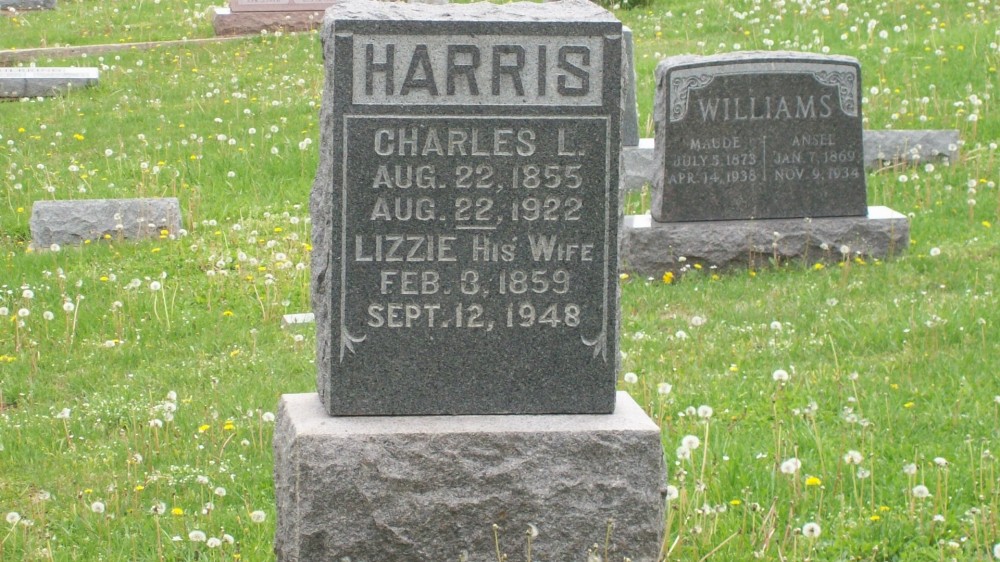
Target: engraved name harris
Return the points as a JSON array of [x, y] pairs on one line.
[[476, 179]]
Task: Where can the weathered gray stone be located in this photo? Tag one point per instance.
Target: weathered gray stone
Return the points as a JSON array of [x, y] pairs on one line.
[[753, 135], [226, 22], [298, 318], [29, 82], [27, 5], [652, 248], [372, 489], [73, 222], [630, 105], [486, 312], [637, 164], [909, 146], [279, 5]]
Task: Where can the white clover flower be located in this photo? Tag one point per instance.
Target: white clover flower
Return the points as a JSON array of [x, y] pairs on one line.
[[197, 536], [780, 375], [97, 507], [791, 466], [690, 442], [811, 530], [258, 516], [631, 378], [920, 492]]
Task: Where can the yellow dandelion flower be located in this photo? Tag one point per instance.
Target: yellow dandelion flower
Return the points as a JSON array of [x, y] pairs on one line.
[[986, 224], [229, 426], [884, 508], [78, 136], [818, 266], [104, 278], [227, 313], [177, 511], [139, 488], [624, 276], [234, 353], [668, 277], [735, 502], [697, 266], [278, 229], [813, 481], [20, 209], [155, 250], [203, 428], [874, 518], [909, 405]]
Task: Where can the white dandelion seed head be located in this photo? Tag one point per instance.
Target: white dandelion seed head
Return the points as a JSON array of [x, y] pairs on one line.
[[213, 543], [683, 453], [155, 286], [267, 417], [630, 378], [920, 492], [780, 375], [664, 388], [705, 411], [672, 492], [13, 517], [940, 462], [691, 442], [220, 491], [853, 457], [197, 536], [97, 507], [776, 326], [811, 530], [697, 321], [909, 469], [791, 466], [532, 530], [258, 516], [935, 252]]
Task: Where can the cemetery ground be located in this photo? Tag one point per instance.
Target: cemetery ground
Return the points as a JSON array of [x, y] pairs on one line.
[[839, 408]]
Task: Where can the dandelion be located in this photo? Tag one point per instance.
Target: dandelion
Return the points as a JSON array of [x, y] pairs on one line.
[[213, 542], [940, 462], [863, 473], [177, 511], [672, 493], [23, 313], [909, 469], [690, 442], [813, 481], [13, 517], [935, 252], [780, 375], [811, 530], [197, 536], [776, 326], [27, 294], [791, 466], [267, 417], [683, 453], [697, 321], [996, 551], [705, 412], [258, 516], [97, 507], [853, 457], [220, 491], [920, 492], [664, 388], [631, 378], [155, 286], [63, 414]]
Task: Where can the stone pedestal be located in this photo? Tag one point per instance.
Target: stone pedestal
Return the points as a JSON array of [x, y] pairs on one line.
[[651, 248], [431, 488]]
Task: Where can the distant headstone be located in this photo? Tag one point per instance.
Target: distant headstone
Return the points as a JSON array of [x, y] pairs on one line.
[[893, 146], [78, 220], [30, 82], [27, 5], [465, 218], [758, 135], [279, 5], [630, 105], [468, 203]]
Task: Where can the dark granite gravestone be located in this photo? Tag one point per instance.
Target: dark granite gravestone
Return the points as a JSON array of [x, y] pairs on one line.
[[465, 249], [466, 212], [758, 135]]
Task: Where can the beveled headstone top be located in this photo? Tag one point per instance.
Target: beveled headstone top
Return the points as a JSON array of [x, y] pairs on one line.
[[279, 5], [465, 210], [758, 135]]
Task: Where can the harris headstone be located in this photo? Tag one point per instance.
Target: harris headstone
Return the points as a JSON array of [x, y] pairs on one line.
[[465, 216]]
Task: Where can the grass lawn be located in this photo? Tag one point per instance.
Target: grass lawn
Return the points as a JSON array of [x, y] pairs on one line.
[[845, 411]]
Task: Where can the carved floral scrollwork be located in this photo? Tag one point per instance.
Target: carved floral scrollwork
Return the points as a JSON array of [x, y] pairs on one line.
[[846, 84], [680, 89]]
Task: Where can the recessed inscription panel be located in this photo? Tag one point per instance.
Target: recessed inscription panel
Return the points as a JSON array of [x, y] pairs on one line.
[[758, 137], [471, 230], [474, 70]]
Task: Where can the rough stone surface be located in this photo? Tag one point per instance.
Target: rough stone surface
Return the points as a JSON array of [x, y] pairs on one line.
[[226, 22], [491, 317], [630, 105], [909, 146], [637, 164], [754, 135], [298, 318], [373, 489], [28, 4], [29, 82], [279, 5], [72, 222], [652, 248]]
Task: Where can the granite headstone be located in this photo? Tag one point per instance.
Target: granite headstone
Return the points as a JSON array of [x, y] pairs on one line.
[[466, 211], [27, 5], [79, 220], [758, 135]]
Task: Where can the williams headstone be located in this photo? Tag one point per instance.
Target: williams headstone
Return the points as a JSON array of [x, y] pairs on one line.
[[758, 135]]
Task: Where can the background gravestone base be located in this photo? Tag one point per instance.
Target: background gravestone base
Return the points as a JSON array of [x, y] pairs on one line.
[[430, 488], [651, 248], [226, 22], [28, 4]]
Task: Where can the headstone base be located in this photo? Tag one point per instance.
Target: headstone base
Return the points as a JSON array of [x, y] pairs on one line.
[[7, 5], [227, 22], [433, 487], [651, 248]]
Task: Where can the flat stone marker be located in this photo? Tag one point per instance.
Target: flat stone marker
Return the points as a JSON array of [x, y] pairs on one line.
[[465, 212], [30, 82], [27, 4], [758, 135], [78, 220], [910, 146], [279, 5]]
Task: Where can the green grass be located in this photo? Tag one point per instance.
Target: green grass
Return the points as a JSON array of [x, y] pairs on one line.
[[168, 391]]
